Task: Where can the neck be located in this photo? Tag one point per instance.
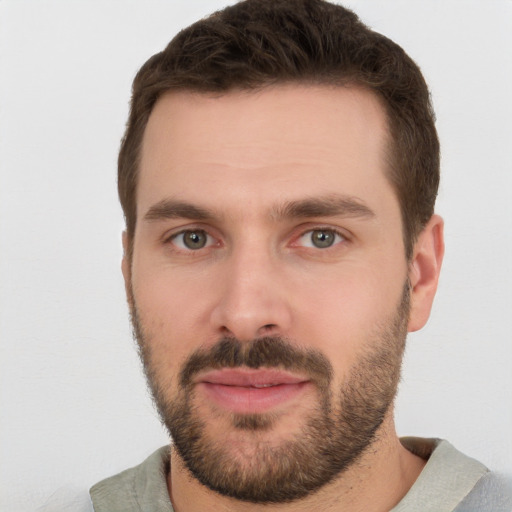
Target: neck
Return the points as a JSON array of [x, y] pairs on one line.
[[376, 482]]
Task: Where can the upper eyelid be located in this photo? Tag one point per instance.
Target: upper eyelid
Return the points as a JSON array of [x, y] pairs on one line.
[[346, 238], [323, 228], [339, 231], [183, 231], [169, 241], [169, 234]]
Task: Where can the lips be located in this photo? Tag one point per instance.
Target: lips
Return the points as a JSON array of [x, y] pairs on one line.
[[247, 391]]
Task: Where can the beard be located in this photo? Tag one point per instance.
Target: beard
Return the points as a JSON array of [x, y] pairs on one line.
[[335, 433]]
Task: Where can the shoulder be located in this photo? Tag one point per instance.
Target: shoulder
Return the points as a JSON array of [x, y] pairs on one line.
[[135, 488], [451, 481], [493, 492]]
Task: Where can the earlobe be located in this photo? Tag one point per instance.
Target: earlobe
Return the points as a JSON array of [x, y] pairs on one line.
[[424, 271]]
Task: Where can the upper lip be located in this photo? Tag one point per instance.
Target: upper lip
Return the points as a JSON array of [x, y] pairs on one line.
[[247, 377]]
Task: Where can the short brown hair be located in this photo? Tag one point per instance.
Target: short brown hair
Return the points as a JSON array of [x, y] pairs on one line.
[[257, 43]]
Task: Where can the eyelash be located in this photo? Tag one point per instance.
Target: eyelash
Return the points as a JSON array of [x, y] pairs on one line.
[[172, 239], [342, 237]]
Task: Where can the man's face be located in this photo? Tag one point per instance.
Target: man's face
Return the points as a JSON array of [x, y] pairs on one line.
[[268, 283]]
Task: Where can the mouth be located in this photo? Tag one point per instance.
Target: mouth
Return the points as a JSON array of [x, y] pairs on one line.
[[248, 391]]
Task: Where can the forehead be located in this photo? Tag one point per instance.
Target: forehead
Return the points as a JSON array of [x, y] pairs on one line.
[[281, 141]]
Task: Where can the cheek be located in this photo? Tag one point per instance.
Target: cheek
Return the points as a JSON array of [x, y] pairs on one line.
[[161, 292], [172, 308], [340, 313], [354, 295]]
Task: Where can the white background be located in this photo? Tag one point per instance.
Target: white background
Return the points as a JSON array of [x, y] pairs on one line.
[[73, 403]]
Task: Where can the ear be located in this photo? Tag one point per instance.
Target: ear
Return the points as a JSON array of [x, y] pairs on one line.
[[424, 271], [126, 265]]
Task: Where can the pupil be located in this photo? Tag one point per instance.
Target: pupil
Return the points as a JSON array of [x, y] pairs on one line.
[[322, 239], [195, 239]]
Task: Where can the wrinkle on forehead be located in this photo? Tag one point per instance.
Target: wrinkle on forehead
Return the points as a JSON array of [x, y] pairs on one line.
[[282, 143]]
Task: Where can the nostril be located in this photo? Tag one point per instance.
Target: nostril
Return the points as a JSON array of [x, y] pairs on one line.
[[225, 331]]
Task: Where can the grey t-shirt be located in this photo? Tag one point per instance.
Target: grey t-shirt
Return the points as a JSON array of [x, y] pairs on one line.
[[449, 482]]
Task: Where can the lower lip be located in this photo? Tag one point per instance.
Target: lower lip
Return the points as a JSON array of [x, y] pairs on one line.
[[250, 400]]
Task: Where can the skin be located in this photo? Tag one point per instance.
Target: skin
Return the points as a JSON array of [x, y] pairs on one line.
[[242, 156]]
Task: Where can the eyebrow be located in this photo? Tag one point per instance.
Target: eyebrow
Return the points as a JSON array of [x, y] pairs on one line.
[[171, 209], [328, 206]]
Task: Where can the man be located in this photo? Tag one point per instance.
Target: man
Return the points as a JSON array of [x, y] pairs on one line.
[[278, 177]]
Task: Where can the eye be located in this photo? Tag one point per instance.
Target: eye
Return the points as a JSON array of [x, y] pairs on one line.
[[320, 238], [192, 239]]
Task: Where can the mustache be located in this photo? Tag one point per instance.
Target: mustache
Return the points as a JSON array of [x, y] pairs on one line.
[[265, 352]]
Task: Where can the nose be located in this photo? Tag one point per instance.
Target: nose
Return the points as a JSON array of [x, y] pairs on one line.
[[251, 300]]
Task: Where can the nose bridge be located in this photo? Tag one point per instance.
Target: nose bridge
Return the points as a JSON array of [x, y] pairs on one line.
[[251, 302]]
